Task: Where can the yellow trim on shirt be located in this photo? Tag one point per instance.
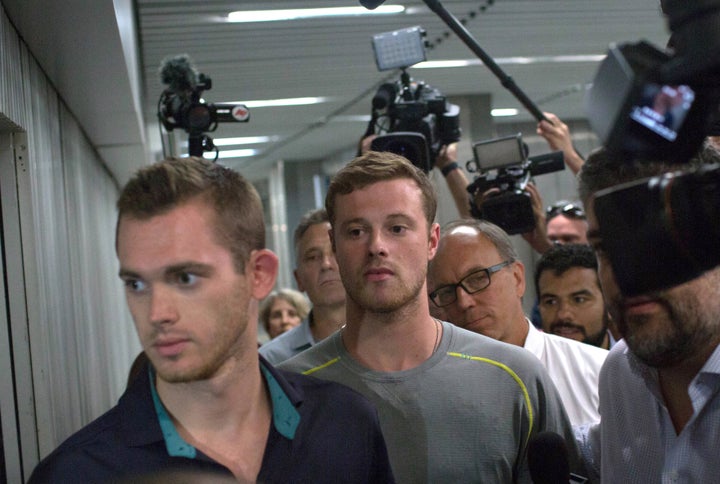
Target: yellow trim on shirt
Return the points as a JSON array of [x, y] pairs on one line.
[[514, 375], [324, 365], [518, 380]]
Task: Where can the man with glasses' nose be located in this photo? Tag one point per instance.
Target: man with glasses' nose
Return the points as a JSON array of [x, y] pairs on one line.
[[476, 281]]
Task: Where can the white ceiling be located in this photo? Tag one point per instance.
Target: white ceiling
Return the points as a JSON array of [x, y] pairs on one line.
[[327, 57]]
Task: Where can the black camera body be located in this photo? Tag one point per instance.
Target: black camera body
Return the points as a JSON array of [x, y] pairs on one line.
[[511, 208], [181, 105], [641, 106], [419, 121], [507, 169], [649, 104], [676, 214]]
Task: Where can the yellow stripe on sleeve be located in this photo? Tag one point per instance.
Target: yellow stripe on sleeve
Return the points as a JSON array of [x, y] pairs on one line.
[[518, 380], [324, 365]]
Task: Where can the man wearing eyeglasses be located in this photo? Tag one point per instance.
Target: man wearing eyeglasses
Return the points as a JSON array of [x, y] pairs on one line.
[[477, 282]]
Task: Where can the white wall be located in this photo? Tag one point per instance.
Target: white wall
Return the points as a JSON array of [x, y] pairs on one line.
[[72, 349]]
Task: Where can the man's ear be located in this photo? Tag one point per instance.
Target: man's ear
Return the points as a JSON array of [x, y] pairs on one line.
[[263, 271], [518, 269], [434, 240], [298, 282]]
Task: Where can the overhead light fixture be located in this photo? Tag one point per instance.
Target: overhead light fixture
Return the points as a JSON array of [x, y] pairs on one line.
[[542, 59], [244, 140], [502, 112], [230, 154], [291, 101], [246, 16]]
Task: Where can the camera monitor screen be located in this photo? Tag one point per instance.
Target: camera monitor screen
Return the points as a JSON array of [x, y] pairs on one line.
[[662, 109], [499, 153]]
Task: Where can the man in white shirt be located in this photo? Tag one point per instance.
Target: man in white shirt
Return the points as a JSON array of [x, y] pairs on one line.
[[476, 281]]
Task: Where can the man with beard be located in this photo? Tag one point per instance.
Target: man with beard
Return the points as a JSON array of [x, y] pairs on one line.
[[476, 281], [660, 386], [454, 406], [191, 245], [570, 299]]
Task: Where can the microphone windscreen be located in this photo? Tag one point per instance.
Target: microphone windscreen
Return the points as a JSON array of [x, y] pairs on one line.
[[178, 73], [548, 459]]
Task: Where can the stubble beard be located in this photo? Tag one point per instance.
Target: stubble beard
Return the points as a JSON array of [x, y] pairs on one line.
[[364, 297], [598, 338], [227, 346], [684, 329]]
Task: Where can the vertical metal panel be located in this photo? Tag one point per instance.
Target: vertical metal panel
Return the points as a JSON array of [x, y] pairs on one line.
[[278, 223], [71, 336], [16, 404]]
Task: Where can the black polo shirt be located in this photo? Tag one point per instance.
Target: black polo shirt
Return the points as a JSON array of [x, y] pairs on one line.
[[321, 432]]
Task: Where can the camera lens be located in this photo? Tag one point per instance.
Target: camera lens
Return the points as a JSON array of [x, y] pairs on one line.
[[198, 117]]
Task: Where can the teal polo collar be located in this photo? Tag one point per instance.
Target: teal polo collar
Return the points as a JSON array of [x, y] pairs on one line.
[[286, 418]]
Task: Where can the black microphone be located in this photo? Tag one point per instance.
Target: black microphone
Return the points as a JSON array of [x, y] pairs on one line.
[[178, 73], [371, 4], [548, 459]]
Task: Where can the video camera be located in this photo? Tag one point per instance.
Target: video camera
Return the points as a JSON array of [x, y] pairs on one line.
[[676, 214], [181, 105], [648, 104], [415, 119], [505, 166]]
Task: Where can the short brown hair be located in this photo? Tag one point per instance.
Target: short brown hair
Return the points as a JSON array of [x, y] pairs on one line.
[[163, 186], [376, 166]]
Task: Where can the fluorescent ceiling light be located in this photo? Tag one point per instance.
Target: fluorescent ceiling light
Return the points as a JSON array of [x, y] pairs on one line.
[[500, 112], [302, 13], [230, 154], [292, 101], [446, 64], [245, 140], [543, 59]]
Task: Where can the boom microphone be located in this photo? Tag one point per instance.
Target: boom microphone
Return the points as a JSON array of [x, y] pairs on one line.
[[178, 73], [371, 4]]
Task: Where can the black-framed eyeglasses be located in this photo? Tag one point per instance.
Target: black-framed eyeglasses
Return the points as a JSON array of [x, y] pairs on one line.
[[568, 209], [472, 283]]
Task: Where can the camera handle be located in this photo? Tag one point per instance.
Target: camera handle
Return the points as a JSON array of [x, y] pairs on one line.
[[506, 81]]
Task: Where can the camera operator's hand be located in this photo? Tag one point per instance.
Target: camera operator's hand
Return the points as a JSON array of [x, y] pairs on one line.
[[537, 238], [446, 163], [557, 135]]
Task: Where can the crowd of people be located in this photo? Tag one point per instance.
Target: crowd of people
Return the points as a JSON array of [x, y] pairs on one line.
[[409, 357]]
